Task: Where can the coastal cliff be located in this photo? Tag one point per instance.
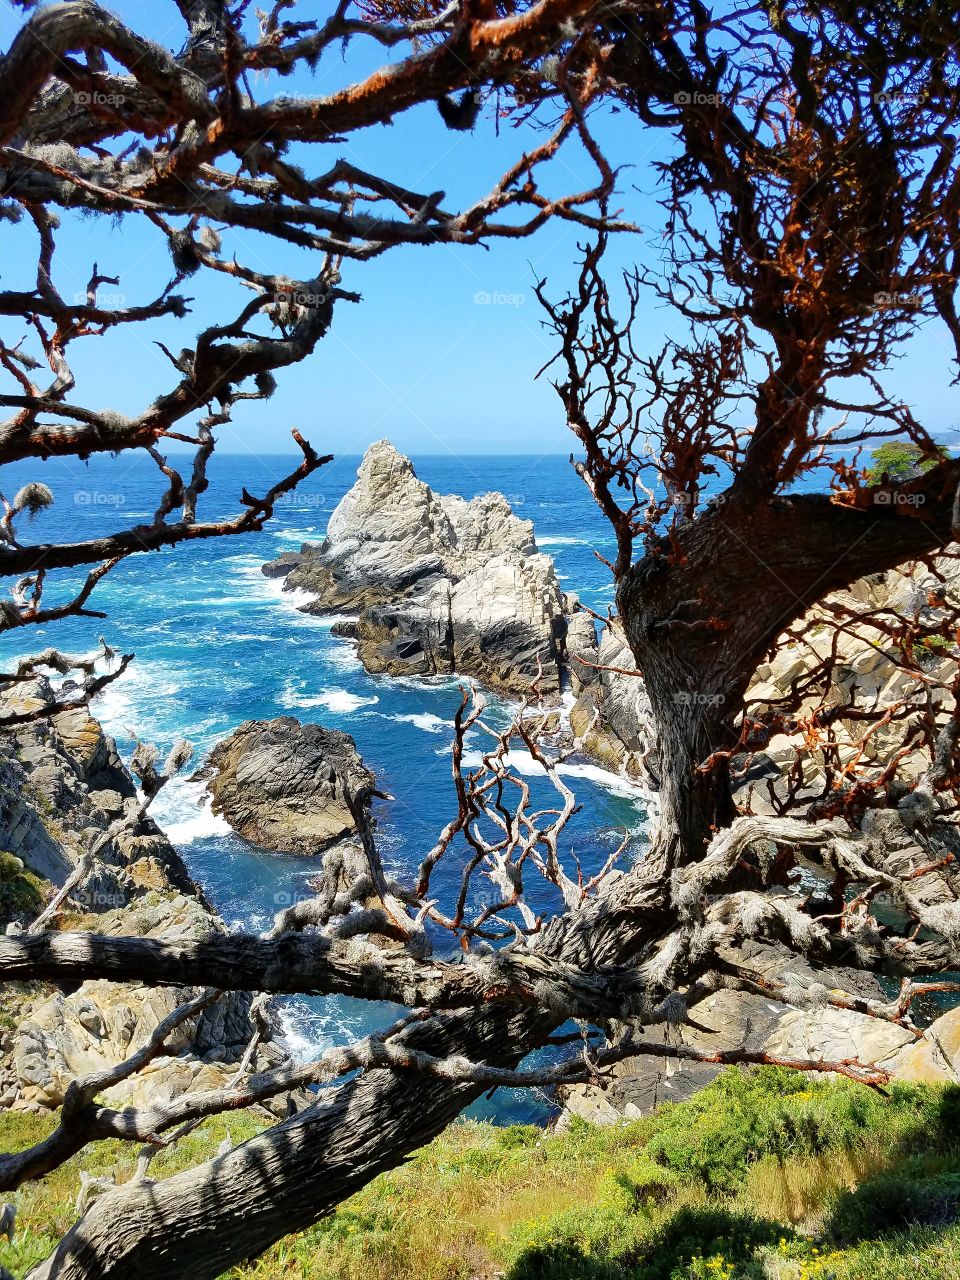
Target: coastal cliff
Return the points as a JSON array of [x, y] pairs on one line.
[[435, 584], [62, 786]]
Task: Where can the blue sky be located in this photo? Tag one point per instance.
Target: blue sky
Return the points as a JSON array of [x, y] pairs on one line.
[[420, 360]]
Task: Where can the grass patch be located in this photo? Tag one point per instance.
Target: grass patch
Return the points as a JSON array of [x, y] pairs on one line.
[[764, 1175], [22, 893]]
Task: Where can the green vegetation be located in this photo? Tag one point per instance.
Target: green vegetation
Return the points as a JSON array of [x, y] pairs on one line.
[[900, 460], [766, 1175], [21, 892]]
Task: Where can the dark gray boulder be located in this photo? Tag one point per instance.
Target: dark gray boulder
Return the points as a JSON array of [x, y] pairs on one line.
[[283, 785]]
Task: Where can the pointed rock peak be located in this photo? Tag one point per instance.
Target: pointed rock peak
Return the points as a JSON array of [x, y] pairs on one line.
[[381, 458]]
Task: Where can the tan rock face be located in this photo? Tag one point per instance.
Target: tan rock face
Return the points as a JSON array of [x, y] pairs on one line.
[[936, 1058], [837, 1035], [96, 1027], [868, 672], [612, 712]]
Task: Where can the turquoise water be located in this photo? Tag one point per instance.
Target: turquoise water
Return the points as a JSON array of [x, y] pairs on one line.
[[217, 643]]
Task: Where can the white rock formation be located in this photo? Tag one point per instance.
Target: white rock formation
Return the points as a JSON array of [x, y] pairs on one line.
[[439, 584]]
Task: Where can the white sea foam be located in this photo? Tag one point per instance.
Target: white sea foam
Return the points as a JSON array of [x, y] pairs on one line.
[[340, 700], [296, 536], [200, 827], [562, 542], [307, 1029], [183, 809], [425, 720], [342, 657], [134, 700], [523, 762]]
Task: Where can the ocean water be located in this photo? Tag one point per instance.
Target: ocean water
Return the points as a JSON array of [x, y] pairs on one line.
[[217, 643]]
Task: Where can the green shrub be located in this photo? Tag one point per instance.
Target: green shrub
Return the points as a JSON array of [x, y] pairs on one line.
[[893, 1202], [744, 1116], [923, 1253], [21, 892], [900, 460], [10, 866], [705, 1242], [578, 1244]]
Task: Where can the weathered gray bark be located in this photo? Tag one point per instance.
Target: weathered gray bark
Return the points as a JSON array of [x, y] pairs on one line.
[[700, 613], [311, 964], [199, 1223]]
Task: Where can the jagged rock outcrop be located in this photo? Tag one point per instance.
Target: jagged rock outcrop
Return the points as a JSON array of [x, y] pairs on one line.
[[814, 1031], [869, 671], [282, 784], [611, 714], [62, 785], [438, 584]]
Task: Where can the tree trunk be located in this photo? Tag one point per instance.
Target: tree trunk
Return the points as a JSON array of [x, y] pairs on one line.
[[699, 619], [199, 1223], [702, 609]]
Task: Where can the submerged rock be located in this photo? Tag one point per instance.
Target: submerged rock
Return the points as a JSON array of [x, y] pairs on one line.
[[282, 784], [439, 584]]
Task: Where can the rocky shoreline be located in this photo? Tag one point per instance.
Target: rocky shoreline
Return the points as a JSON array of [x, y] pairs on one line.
[[438, 585], [62, 786]]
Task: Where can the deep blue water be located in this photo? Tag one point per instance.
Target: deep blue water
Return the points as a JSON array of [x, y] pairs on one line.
[[217, 643]]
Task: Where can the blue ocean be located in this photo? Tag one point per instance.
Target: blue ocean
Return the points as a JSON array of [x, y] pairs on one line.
[[217, 643]]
